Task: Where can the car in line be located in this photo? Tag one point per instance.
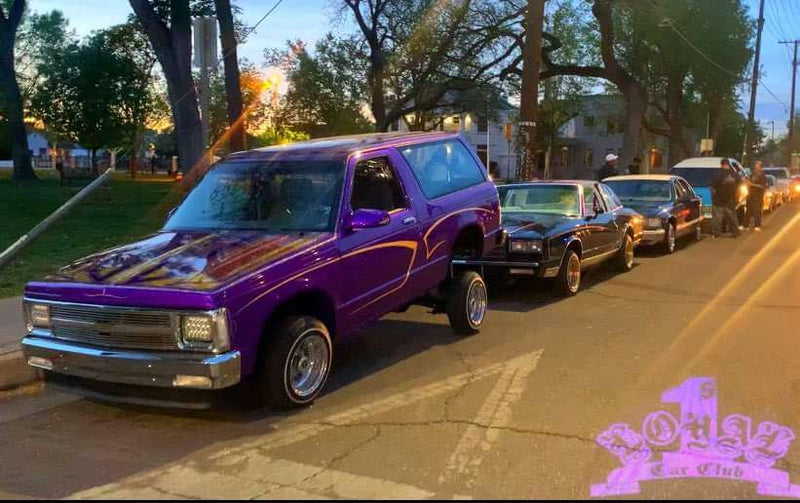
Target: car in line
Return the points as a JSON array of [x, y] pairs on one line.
[[272, 257], [670, 207], [783, 179], [773, 195], [558, 228], [699, 171]]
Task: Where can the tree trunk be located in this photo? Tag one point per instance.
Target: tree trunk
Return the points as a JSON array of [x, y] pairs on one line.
[[377, 98], [9, 87], [635, 106], [675, 118], [233, 89], [173, 48]]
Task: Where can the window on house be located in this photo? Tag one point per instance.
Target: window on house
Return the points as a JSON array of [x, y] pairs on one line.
[[613, 125], [588, 120], [483, 124], [395, 126], [456, 119], [588, 159], [482, 152]]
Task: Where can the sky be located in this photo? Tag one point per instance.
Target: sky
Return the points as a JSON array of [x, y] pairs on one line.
[[311, 19]]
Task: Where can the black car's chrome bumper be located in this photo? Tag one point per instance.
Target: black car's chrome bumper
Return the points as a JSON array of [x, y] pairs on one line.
[[157, 369], [516, 267]]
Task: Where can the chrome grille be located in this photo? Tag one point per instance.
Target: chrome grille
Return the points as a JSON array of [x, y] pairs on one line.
[[113, 327]]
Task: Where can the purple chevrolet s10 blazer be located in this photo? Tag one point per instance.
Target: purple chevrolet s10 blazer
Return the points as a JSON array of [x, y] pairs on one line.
[[273, 256]]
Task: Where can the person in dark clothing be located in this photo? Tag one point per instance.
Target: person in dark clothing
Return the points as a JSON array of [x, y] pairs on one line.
[[755, 197], [724, 195], [609, 168]]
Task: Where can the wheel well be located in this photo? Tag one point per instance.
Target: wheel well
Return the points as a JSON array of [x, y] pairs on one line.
[[576, 246], [469, 241], [312, 303]]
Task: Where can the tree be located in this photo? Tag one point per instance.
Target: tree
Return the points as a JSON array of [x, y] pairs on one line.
[[233, 90], [419, 52], [96, 93], [9, 87], [327, 88], [255, 113], [172, 43]]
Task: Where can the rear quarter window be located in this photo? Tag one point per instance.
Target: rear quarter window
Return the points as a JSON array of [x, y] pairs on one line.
[[443, 167]]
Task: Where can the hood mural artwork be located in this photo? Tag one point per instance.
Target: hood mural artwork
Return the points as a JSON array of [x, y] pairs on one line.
[[732, 449]]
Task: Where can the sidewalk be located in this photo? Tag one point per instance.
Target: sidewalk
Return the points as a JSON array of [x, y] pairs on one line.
[[14, 370]]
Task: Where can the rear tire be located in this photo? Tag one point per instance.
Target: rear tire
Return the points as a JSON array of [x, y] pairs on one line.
[[467, 303], [568, 281], [296, 364], [624, 258]]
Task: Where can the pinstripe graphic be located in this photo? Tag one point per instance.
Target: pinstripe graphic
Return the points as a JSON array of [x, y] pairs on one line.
[[429, 251]]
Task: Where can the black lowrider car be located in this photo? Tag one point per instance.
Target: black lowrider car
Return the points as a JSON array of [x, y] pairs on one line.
[[555, 229], [669, 205]]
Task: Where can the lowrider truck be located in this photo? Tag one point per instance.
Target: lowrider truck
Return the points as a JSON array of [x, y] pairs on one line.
[[275, 255]]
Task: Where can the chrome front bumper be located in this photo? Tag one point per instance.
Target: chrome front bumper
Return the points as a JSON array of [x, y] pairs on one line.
[[650, 236], [159, 369]]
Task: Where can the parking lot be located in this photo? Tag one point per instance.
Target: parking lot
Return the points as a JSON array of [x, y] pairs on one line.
[[413, 411]]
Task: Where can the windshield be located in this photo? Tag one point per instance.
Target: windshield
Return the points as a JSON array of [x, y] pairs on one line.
[[641, 190], [698, 177], [546, 199], [285, 196], [777, 172]]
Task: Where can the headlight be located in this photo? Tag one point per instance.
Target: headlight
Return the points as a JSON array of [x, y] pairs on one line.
[[652, 223], [525, 246], [36, 316], [206, 331]]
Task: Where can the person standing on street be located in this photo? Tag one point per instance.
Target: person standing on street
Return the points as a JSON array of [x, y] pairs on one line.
[[755, 197], [724, 192], [609, 168]]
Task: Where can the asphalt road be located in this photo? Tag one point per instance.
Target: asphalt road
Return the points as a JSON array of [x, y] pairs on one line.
[[513, 412]]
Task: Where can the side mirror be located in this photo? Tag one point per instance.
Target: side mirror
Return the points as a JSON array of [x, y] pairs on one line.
[[368, 219]]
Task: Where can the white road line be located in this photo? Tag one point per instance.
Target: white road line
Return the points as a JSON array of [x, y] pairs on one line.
[[494, 414], [244, 471]]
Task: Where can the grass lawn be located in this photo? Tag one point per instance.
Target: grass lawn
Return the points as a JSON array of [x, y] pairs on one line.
[[120, 212]]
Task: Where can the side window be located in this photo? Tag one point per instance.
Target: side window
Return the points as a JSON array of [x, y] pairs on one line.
[[443, 167], [687, 189], [611, 199], [375, 186], [680, 190], [591, 194]]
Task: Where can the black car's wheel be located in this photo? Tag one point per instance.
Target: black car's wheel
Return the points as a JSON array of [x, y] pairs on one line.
[[568, 281], [669, 238], [296, 364], [467, 303], [624, 258]]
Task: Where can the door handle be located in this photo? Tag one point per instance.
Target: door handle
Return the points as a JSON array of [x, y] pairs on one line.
[[409, 220]]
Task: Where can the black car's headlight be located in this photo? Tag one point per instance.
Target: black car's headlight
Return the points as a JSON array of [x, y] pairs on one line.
[[525, 246]]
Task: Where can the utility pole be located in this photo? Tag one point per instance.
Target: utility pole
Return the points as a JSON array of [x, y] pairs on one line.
[[750, 131], [794, 79], [529, 102]]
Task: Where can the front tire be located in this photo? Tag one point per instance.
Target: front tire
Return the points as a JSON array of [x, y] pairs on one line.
[[568, 281], [669, 239], [467, 303], [624, 258], [296, 364]]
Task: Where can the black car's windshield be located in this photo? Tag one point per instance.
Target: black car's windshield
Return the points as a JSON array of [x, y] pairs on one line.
[[547, 199], [776, 172], [698, 177], [646, 191], [274, 196]]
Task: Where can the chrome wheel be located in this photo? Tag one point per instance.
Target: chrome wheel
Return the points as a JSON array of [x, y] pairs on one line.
[[476, 303], [307, 367], [670, 239], [574, 273], [628, 252]]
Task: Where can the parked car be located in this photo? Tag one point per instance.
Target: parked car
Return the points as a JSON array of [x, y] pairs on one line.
[[699, 171], [670, 207], [783, 179], [556, 229], [773, 195], [273, 256]]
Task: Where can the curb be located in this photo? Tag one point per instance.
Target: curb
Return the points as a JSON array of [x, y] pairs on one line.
[[14, 369]]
